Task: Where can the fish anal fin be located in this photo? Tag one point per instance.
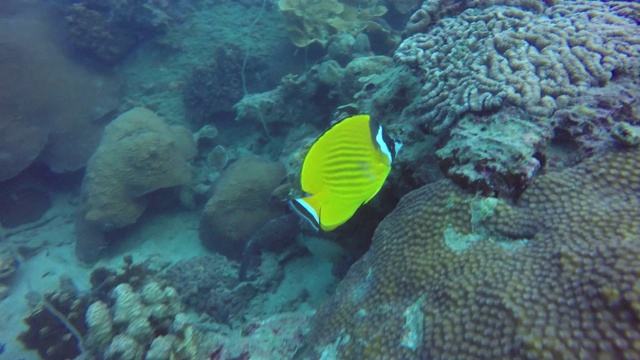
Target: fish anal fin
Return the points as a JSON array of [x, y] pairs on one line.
[[336, 212]]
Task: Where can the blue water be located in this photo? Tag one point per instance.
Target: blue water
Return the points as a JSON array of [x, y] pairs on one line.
[[149, 149]]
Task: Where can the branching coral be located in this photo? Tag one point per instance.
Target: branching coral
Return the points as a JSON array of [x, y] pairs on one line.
[[453, 276]]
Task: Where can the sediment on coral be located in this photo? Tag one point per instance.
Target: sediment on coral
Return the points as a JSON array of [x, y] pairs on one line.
[[450, 275]]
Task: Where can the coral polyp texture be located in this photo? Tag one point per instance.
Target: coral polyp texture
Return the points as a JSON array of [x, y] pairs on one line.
[[483, 59], [477, 62], [452, 276]]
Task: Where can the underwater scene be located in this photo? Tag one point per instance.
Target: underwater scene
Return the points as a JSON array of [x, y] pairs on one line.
[[319, 179]]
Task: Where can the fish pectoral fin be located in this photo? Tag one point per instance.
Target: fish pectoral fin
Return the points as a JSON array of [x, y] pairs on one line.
[[336, 212]]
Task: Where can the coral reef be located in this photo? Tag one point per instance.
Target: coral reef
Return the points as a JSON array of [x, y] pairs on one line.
[[591, 118], [627, 134], [109, 31], [92, 32], [139, 153], [209, 285], [140, 319], [500, 56], [56, 326], [499, 153], [240, 205], [272, 338], [218, 158], [308, 22], [213, 89], [543, 60], [450, 275], [52, 108], [311, 96], [127, 315], [433, 10], [405, 6]]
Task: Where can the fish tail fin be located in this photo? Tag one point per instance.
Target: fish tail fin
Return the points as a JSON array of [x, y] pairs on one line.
[[308, 208]]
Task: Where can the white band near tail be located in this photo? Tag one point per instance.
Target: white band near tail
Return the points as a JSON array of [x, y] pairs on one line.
[[306, 212]]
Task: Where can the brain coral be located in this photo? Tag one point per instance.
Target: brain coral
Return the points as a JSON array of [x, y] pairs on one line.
[[139, 153], [504, 55], [240, 205], [481, 65], [449, 276]]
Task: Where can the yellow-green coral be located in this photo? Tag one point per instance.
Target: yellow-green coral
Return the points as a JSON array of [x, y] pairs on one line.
[[309, 21], [570, 291]]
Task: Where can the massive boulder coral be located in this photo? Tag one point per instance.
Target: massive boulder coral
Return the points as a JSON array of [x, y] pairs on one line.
[[241, 203], [517, 54], [52, 108], [139, 153], [454, 276]]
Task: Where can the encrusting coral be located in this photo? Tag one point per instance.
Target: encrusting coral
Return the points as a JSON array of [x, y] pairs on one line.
[[453, 276]]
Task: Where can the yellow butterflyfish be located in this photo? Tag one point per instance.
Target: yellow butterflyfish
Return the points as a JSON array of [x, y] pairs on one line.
[[344, 168]]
